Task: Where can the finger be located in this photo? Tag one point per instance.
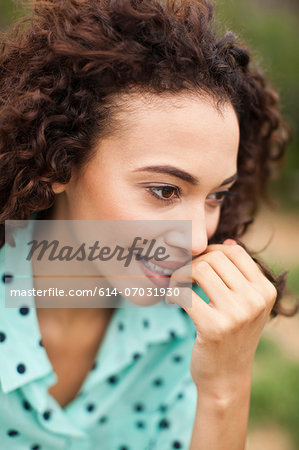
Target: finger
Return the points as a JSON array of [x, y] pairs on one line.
[[226, 270], [182, 276], [184, 299], [182, 280], [205, 276], [241, 259], [200, 312], [211, 283]]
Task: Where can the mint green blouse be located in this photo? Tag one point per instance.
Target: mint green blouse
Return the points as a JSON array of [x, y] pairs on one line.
[[139, 394]]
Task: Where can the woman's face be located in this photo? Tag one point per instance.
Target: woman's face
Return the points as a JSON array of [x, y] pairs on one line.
[[171, 161]]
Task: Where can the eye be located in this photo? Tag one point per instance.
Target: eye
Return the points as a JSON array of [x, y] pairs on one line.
[[222, 195], [165, 193], [170, 194]]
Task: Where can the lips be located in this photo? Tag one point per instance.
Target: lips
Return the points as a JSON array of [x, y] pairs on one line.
[[155, 277]]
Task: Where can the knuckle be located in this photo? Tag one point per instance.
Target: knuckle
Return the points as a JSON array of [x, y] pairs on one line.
[[215, 336], [262, 307], [222, 329], [202, 265], [272, 291], [239, 317], [259, 298], [260, 304], [237, 249], [217, 254], [256, 303], [208, 258]]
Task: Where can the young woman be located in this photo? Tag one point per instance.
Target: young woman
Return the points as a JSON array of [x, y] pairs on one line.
[[122, 111]]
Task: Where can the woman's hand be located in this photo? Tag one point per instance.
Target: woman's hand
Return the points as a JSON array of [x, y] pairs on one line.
[[230, 326]]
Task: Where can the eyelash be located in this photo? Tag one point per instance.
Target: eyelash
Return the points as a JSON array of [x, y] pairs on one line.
[[179, 192]]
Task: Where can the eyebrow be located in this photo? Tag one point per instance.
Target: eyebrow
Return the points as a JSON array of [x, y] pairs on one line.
[[182, 174]]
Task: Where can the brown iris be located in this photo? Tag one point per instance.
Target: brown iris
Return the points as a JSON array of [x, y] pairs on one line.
[[167, 191]]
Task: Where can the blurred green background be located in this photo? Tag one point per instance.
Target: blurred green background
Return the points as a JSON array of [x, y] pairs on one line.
[[271, 29]]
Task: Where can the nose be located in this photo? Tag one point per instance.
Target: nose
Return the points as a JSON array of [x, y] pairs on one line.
[[190, 235]]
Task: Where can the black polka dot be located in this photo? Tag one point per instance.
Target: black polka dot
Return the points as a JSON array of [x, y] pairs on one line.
[[13, 433], [158, 382], [183, 311], [139, 407], [145, 323], [163, 408], [24, 311], [177, 358], [140, 424], [21, 368], [90, 407], [26, 405], [40, 342], [94, 365], [180, 395], [172, 334], [113, 379], [2, 336], [47, 414], [35, 447], [164, 423], [121, 326], [103, 419], [176, 444], [7, 278], [136, 356], [123, 447]]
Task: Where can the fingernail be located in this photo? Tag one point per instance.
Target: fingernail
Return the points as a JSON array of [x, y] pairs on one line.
[[230, 242]]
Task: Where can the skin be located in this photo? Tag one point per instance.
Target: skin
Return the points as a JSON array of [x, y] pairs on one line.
[[185, 132], [190, 133]]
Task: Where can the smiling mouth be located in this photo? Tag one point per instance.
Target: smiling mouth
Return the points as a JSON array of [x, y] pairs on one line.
[[160, 270]]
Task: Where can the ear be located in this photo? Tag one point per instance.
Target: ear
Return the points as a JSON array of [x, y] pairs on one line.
[[58, 188]]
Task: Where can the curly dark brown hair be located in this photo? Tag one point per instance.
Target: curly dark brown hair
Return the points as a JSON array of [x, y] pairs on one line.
[[63, 65]]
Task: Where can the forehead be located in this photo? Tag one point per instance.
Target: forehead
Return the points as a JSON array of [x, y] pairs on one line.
[[186, 131], [173, 122], [184, 111]]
